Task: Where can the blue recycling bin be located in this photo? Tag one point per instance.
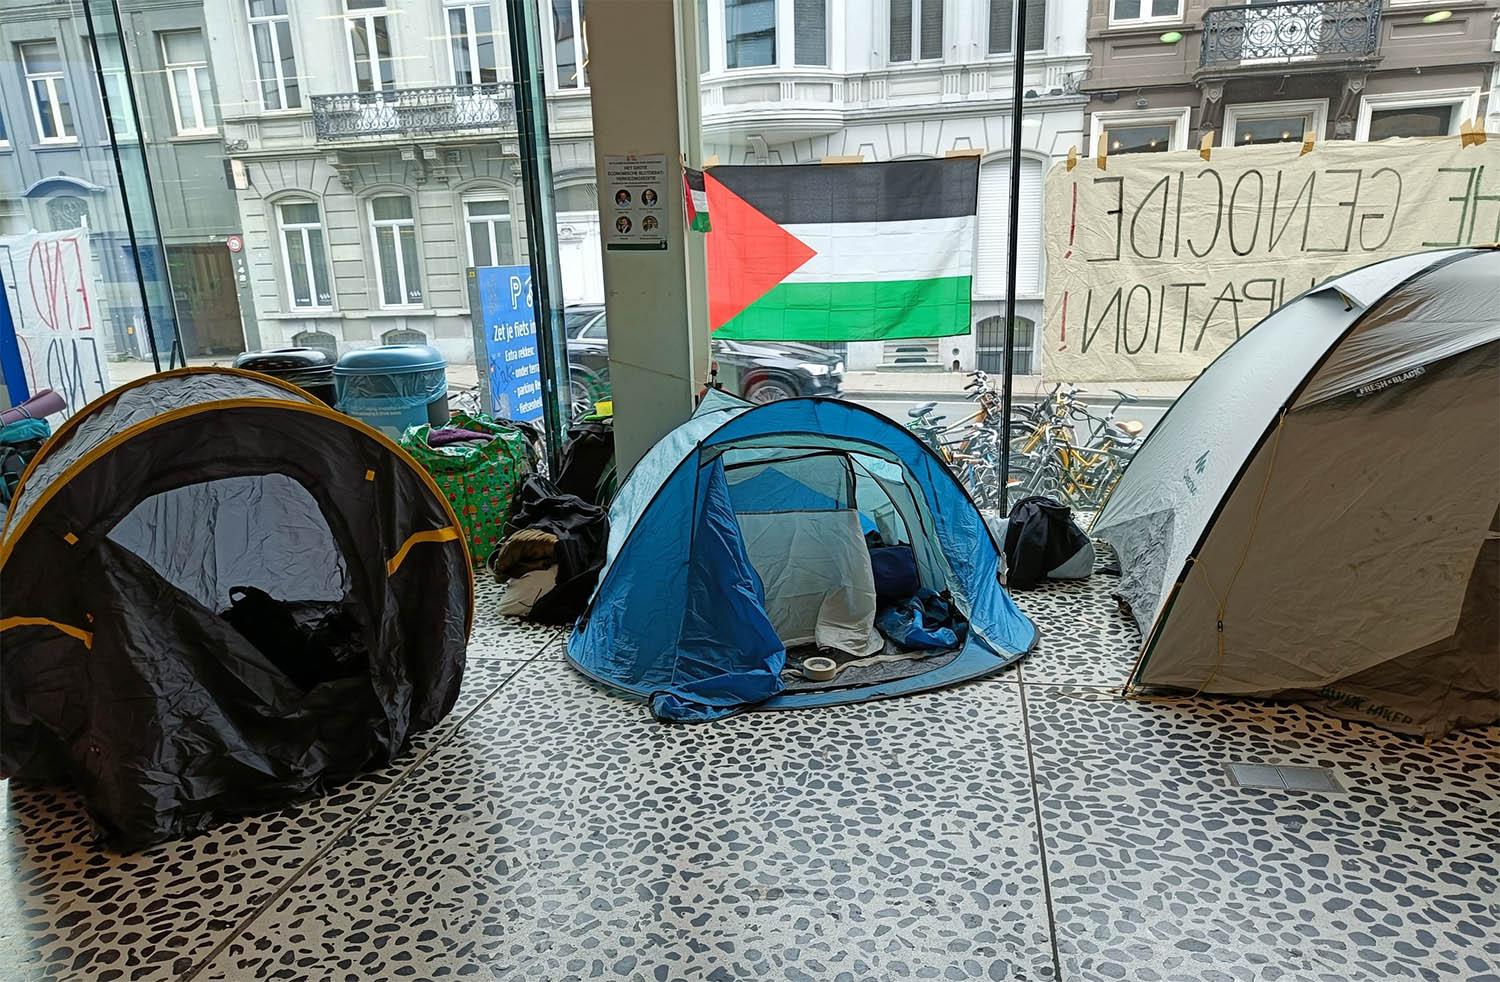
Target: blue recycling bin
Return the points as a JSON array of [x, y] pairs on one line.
[[393, 386]]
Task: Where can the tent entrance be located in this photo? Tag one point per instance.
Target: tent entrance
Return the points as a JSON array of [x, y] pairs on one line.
[[255, 555]]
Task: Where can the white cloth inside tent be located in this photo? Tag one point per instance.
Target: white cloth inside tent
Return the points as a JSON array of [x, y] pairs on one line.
[[819, 585]]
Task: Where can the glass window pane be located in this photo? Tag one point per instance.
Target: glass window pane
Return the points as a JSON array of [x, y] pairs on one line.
[[319, 266], [562, 37], [41, 57], [303, 213], [267, 8], [1127, 9], [750, 33], [1153, 138], [383, 53], [1036, 27], [296, 261], [390, 277], [811, 31], [392, 208], [183, 46], [1418, 121], [1164, 8], [364, 4], [1001, 14], [359, 49], [458, 45], [266, 66], [484, 34], [932, 28], [182, 94], [901, 30], [1270, 129], [41, 93], [206, 99], [703, 52], [288, 66], [479, 244], [489, 207], [411, 265]]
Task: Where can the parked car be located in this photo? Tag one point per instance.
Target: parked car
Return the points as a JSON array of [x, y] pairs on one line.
[[758, 371]]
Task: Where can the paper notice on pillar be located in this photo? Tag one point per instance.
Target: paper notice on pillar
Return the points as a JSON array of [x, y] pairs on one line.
[[515, 371], [634, 205], [55, 305], [1157, 263]]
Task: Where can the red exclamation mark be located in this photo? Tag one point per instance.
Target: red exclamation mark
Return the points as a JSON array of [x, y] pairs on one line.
[[1062, 337], [1072, 223]]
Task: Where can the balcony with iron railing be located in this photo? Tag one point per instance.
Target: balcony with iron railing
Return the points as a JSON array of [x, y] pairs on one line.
[[1287, 33], [440, 110]]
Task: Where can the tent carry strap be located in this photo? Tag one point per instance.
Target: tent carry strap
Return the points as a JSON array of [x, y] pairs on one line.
[[1221, 601]]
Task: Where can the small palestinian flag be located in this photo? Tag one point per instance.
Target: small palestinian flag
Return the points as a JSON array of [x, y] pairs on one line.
[[697, 199], [842, 252]]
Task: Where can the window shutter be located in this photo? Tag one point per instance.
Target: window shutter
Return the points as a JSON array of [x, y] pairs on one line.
[[1036, 25], [994, 220], [900, 30], [932, 28], [810, 29], [1001, 13]]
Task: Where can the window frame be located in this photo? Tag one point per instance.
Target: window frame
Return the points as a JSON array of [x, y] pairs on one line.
[[470, 38], [367, 17], [1315, 109], [776, 26], [192, 69], [269, 22], [577, 40], [917, 7], [395, 225], [55, 81], [308, 268], [121, 90], [1465, 100], [483, 196], [1177, 18], [1178, 117]]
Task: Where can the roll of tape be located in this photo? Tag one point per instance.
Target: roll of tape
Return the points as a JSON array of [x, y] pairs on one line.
[[820, 669]]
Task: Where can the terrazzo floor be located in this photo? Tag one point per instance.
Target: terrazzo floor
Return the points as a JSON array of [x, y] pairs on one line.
[[1030, 826]]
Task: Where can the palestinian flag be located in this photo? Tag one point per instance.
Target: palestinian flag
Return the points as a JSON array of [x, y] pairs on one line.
[[695, 199], [842, 252]]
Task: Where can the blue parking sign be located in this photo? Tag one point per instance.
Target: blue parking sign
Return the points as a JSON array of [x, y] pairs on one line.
[[509, 319]]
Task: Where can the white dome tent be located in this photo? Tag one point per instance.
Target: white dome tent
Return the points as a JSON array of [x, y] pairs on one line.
[[1316, 516]]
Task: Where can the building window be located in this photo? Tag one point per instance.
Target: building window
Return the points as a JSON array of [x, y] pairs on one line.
[[1002, 16], [51, 110], [1433, 113], [1144, 11], [488, 221], [4, 133], [1274, 122], [193, 108], [275, 64], [703, 51], [569, 44], [916, 30], [989, 345], [576, 198], [367, 29], [305, 256], [471, 44], [396, 265], [749, 33], [119, 110], [1140, 131], [66, 211], [810, 32]]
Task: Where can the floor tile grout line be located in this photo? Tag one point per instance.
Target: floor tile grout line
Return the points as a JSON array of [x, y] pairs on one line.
[[1041, 836], [317, 857]]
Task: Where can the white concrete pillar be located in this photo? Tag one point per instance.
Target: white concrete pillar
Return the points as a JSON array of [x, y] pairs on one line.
[[640, 57]]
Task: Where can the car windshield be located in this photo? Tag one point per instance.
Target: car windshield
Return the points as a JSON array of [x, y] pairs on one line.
[[575, 320]]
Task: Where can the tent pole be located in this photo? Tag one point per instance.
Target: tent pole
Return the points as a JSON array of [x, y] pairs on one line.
[[1017, 87]]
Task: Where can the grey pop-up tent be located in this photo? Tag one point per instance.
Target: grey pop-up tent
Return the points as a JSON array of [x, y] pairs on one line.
[[1316, 516], [218, 595]]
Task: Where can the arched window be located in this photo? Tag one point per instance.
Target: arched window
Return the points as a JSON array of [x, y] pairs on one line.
[[989, 345], [577, 197], [393, 229], [321, 340], [403, 335], [304, 255]]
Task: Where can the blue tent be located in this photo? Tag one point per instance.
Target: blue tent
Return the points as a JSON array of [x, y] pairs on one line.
[[681, 616]]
